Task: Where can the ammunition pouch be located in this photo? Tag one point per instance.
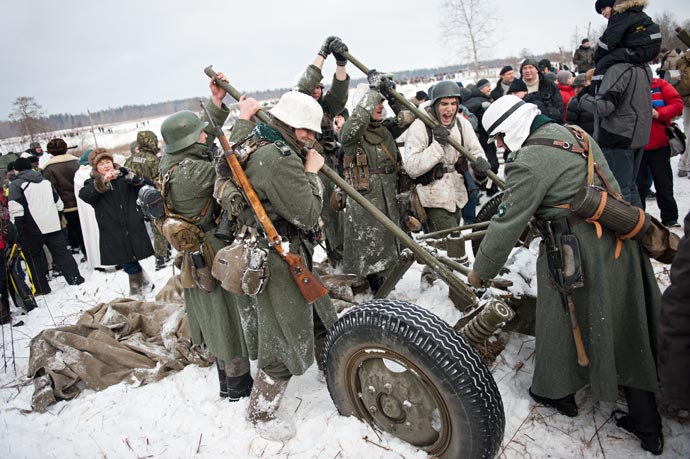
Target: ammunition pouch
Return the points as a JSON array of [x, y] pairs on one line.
[[563, 254], [201, 272], [416, 206], [436, 173], [183, 235], [356, 170], [242, 267]]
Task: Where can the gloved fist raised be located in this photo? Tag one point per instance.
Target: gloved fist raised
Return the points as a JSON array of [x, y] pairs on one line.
[[441, 134], [481, 166], [337, 48], [326, 47], [380, 81]]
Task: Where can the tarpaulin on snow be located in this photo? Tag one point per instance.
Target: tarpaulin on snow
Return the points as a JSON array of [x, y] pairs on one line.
[[125, 340]]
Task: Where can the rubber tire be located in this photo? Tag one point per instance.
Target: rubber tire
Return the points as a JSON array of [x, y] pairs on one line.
[[463, 381]]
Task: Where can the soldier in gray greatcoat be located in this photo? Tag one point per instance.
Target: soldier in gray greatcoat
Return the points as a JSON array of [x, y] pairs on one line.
[[371, 162], [618, 324]]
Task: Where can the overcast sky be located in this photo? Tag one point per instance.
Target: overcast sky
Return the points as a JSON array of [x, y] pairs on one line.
[[78, 55]]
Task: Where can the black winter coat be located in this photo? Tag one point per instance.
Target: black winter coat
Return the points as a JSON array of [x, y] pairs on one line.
[[674, 328], [548, 99], [581, 111], [123, 235]]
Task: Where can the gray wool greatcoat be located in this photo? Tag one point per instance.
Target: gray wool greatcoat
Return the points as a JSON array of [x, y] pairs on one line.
[[618, 307], [368, 247]]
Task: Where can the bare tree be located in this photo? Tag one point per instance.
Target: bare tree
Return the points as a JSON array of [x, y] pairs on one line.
[[668, 25], [468, 25], [29, 115]]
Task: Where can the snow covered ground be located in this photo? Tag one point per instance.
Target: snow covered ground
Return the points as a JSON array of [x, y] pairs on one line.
[[183, 417]]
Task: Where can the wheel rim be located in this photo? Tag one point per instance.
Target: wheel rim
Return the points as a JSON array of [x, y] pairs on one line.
[[391, 392]]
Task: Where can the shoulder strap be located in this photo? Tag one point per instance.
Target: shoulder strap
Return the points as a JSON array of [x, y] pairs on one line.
[[390, 156]]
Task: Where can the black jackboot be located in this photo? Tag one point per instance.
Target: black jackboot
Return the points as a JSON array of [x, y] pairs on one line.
[[565, 405], [222, 378], [642, 419]]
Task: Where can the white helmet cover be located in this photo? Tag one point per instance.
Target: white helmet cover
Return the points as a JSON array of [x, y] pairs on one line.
[[511, 116], [299, 111]]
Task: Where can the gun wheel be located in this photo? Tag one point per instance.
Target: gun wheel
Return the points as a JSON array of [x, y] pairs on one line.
[[405, 371]]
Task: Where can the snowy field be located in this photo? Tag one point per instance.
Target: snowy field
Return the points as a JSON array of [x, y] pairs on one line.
[[182, 416]]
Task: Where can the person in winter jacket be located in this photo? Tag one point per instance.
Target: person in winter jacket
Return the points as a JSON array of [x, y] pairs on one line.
[[584, 57], [477, 103], [631, 36], [541, 92], [59, 171], [36, 210], [112, 191], [674, 328], [622, 122], [582, 106], [4, 233], [507, 75], [565, 86], [666, 105]]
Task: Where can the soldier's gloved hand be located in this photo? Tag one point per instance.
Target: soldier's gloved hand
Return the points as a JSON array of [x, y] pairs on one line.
[[481, 166], [375, 79], [441, 134], [337, 48], [326, 47], [474, 279]]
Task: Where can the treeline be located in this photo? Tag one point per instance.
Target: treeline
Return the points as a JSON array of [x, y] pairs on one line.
[[65, 121]]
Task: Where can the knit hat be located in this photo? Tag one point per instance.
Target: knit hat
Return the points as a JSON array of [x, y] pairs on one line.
[[99, 154], [585, 40], [22, 164], [482, 83], [601, 4], [505, 69], [544, 63], [529, 61], [517, 85], [421, 95], [84, 160], [57, 147], [344, 113], [579, 80], [563, 76], [550, 76]]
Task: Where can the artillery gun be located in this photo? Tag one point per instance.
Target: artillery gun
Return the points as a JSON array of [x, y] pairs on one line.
[[401, 368]]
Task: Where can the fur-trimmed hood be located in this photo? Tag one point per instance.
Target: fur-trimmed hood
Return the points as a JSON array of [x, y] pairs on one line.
[[624, 5]]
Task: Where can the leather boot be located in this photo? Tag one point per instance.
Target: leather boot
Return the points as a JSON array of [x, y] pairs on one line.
[[264, 402], [222, 378], [136, 284], [238, 380], [565, 405]]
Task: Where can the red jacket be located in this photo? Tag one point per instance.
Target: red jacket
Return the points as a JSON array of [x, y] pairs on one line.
[[668, 103], [567, 93]]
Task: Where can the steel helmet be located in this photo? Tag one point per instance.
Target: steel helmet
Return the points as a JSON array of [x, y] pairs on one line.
[[443, 89], [181, 130], [299, 111]]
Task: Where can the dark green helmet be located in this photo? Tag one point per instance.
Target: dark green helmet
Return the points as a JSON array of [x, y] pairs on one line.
[[443, 89], [181, 130]]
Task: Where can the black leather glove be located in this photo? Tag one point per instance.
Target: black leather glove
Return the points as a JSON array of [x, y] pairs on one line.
[[481, 166], [326, 47], [337, 48], [441, 134]]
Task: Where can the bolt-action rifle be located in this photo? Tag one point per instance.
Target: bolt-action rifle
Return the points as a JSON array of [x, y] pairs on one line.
[[309, 286]]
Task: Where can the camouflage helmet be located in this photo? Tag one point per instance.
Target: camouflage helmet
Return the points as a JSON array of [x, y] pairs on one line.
[[147, 140], [181, 130], [443, 89]]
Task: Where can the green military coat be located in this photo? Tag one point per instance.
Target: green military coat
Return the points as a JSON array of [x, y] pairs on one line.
[[618, 307], [368, 247], [213, 317], [332, 102], [278, 323]]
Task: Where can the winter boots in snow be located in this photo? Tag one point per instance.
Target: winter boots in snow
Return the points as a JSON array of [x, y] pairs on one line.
[[565, 405], [234, 378], [136, 285], [263, 405]]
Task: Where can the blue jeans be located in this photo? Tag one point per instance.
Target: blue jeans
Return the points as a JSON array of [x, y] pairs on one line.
[[624, 165], [133, 267]]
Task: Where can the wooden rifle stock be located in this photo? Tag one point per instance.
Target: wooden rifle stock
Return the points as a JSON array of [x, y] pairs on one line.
[[309, 286]]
